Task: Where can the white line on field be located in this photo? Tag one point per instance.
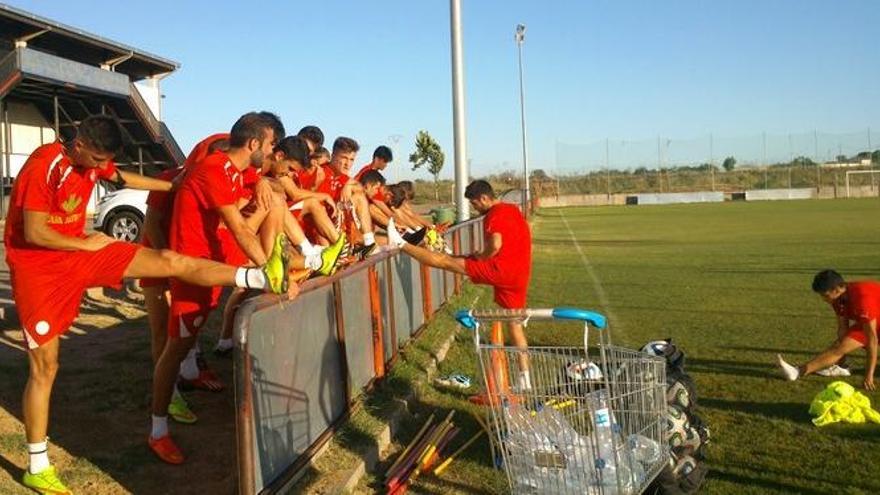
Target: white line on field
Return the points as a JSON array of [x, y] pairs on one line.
[[597, 284]]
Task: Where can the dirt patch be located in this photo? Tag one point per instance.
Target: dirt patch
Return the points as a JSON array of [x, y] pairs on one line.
[[100, 415]]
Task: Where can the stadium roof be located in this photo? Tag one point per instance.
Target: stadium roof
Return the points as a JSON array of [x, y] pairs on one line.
[[75, 44]]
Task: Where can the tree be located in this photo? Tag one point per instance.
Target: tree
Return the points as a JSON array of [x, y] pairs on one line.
[[728, 164], [875, 156], [428, 153], [539, 174]]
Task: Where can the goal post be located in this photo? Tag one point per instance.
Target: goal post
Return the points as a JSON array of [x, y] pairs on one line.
[[873, 173]]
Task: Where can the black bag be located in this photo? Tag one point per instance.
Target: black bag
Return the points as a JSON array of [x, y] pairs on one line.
[[669, 482]]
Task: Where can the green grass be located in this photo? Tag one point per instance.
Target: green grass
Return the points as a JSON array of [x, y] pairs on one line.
[[731, 284]]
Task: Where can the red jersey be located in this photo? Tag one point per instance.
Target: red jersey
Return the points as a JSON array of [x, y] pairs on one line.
[[862, 302], [306, 179], [333, 182], [163, 202], [208, 185], [515, 255], [249, 178], [50, 183], [382, 193]]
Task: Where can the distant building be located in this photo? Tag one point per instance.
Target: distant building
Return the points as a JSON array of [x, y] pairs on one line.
[[52, 76]]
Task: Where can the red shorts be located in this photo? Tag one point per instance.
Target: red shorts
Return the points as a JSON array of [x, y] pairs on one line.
[[510, 288], [47, 296], [190, 307], [856, 333], [232, 253]]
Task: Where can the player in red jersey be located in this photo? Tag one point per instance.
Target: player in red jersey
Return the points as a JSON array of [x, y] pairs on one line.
[[208, 194], [505, 262], [339, 185], [378, 201], [287, 156], [157, 224], [52, 261], [857, 306]]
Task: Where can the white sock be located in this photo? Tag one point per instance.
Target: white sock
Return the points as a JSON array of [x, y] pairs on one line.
[[525, 380], [409, 230], [394, 238], [369, 239], [224, 344], [314, 262], [307, 248], [160, 427], [189, 369], [250, 278], [38, 454], [175, 393], [791, 373]]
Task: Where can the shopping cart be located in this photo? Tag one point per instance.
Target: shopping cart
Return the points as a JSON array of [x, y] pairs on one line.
[[563, 421]]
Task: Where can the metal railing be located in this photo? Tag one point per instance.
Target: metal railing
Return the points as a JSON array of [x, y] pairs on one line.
[[300, 364]]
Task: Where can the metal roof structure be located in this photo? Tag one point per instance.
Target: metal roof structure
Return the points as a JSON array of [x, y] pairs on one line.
[[75, 44]]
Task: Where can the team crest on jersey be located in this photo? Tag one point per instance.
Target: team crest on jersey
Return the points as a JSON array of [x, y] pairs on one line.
[[71, 203]]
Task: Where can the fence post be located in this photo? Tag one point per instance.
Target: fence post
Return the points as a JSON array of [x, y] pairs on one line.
[[456, 248], [376, 318], [427, 299], [340, 340], [392, 320]]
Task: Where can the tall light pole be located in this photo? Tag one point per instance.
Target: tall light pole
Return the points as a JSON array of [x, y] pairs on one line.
[[458, 117], [520, 38]]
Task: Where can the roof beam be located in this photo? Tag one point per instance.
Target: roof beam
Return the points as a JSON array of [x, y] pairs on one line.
[[22, 41], [113, 62]]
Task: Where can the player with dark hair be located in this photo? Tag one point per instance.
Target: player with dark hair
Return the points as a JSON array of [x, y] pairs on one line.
[[210, 193], [505, 262], [857, 306], [313, 135], [52, 262]]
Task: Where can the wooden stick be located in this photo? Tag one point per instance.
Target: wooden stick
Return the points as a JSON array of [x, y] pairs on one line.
[[452, 456], [395, 475], [440, 446], [411, 443], [406, 477]]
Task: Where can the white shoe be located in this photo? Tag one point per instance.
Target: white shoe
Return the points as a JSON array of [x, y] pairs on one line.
[[790, 372], [394, 237], [834, 370]]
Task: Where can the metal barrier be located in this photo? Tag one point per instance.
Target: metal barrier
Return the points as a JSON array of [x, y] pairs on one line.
[[299, 364]]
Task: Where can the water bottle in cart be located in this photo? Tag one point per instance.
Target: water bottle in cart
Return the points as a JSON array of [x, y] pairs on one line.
[[609, 465]]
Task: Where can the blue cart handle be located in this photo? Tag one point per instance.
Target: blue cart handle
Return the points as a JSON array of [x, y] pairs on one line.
[[470, 318]]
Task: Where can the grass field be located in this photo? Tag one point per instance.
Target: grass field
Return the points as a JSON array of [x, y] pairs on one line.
[[731, 284]]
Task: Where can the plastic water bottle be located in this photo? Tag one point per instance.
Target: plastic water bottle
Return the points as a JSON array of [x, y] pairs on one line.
[[611, 465]]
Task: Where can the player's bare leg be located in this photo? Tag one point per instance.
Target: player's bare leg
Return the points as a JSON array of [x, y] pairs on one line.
[[825, 359], [43, 363], [315, 208], [518, 338], [156, 300]]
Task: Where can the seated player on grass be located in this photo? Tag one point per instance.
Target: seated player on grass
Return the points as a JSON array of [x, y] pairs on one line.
[[505, 262], [857, 306], [52, 262], [156, 292]]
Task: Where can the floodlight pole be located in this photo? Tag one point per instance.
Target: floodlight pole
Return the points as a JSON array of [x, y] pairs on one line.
[[459, 136], [520, 37]]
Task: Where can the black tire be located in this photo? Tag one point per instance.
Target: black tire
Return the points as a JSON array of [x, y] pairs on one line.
[[125, 225]]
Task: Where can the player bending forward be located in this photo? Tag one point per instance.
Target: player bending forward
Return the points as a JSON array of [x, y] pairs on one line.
[[857, 306]]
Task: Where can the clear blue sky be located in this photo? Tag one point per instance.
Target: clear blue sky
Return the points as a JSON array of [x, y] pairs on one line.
[[379, 71]]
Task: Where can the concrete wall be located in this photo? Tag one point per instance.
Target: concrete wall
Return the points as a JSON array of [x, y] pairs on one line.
[[583, 200], [678, 198]]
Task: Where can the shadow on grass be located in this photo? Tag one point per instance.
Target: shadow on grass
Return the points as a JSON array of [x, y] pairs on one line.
[[732, 367], [773, 350], [719, 473], [791, 411], [100, 408]]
